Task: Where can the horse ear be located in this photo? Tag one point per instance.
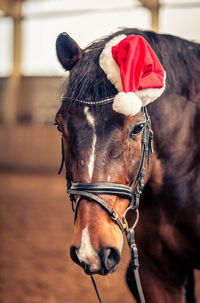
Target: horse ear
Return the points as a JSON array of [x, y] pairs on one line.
[[68, 51]]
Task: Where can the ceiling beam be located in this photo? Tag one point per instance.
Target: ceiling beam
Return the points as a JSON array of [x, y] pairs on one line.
[[154, 7], [4, 6], [10, 7], [12, 93]]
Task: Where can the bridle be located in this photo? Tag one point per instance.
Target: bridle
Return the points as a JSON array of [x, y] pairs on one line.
[[89, 191]]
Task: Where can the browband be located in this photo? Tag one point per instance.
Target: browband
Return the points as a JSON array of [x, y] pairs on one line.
[[99, 102]]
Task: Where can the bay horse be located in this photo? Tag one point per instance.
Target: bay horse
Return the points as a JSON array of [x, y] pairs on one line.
[[102, 145]]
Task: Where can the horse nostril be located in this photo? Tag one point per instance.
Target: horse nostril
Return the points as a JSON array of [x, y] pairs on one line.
[[74, 255], [109, 257]]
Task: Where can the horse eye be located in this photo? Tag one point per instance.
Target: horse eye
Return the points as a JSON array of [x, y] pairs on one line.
[[137, 130]]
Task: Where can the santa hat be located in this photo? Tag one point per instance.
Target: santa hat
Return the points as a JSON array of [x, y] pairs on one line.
[[134, 69]]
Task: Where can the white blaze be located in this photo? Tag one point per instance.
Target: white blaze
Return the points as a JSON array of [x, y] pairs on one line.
[[91, 122], [86, 253]]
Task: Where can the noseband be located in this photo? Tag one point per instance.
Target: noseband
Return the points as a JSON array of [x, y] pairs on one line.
[[89, 191]]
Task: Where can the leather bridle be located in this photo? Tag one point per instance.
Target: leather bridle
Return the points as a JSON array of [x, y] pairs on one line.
[[89, 191]]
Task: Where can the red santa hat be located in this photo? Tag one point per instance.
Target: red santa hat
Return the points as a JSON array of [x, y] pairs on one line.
[[135, 70]]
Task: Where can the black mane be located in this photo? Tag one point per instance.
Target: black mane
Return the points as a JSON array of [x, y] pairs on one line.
[[180, 59]]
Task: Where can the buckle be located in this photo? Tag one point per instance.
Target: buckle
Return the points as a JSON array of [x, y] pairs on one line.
[[125, 224], [114, 215]]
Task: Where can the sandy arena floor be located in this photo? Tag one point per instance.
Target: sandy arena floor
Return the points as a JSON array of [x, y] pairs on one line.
[[36, 225]]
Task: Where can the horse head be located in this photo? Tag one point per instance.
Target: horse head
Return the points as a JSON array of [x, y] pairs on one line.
[[103, 143]]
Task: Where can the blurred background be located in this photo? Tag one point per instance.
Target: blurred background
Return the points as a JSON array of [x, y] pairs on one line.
[[36, 222]]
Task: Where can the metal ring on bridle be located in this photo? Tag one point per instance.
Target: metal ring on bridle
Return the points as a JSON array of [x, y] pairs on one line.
[[124, 221]]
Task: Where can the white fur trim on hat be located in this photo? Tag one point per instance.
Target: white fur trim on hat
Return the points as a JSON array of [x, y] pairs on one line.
[[108, 64], [128, 104], [148, 95]]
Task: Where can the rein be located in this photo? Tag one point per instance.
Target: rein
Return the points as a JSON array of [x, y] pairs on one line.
[[91, 190]]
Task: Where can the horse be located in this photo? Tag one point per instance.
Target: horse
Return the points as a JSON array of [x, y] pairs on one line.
[[102, 146]]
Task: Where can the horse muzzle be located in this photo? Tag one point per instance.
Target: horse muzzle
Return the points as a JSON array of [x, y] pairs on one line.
[[103, 263]]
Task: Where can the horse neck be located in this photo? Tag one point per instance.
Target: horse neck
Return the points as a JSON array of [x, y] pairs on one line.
[[176, 126]]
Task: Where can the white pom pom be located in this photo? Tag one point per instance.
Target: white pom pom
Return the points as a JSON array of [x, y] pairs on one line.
[[128, 104]]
